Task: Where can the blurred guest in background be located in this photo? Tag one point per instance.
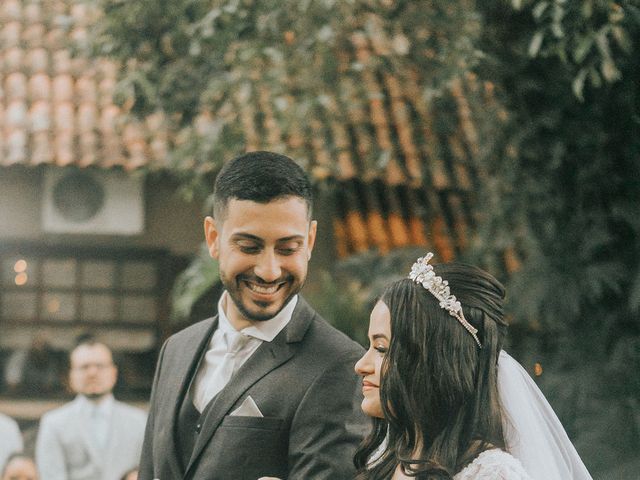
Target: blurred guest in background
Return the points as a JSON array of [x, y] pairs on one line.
[[131, 475], [19, 467], [10, 438], [35, 370], [94, 437]]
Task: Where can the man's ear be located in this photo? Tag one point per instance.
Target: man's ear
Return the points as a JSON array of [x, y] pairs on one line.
[[212, 236]]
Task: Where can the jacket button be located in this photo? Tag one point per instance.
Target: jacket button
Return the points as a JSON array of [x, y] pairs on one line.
[[198, 427]]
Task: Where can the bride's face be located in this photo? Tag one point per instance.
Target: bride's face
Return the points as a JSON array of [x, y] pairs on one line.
[[369, 366]]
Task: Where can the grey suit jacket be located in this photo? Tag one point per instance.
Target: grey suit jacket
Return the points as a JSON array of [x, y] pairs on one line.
[[65, 451], [304, 384]]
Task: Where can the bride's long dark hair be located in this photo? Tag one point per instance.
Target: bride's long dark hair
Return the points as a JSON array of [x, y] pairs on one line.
[[438, 389]]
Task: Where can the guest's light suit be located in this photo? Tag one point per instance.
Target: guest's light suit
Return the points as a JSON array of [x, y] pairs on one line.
[[10, 438], [66, 449]]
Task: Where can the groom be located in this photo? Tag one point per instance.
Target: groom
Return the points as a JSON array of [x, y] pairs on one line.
[[265, 387]]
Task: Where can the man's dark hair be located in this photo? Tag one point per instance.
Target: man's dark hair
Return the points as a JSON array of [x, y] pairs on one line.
[[260, 177]]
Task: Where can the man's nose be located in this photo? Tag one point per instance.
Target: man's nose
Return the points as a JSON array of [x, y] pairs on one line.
[[268, 267], [93, 368]]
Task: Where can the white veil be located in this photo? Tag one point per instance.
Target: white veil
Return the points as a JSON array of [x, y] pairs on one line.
[[534, 435]]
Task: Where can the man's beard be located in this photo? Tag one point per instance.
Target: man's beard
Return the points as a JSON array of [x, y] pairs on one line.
[[233, 290], [96, 396]]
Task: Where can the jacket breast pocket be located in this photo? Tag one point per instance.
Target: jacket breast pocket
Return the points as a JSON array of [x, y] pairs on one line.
[[260, 423], [251, 447]]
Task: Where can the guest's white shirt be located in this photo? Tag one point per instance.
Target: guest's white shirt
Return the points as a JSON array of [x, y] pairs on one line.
[[256, 334]]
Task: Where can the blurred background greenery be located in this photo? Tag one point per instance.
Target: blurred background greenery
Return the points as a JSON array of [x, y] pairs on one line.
[[559, 200]]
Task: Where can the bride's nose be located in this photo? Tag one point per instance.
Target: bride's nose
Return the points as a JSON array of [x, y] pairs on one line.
[[364, 366]]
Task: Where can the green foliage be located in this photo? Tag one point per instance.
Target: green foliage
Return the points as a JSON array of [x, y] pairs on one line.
[[205, 63], [564, 194], [348, 291], [588, 36], [192, 284]]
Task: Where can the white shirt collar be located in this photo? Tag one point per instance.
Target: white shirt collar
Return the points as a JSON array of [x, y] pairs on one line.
[[104, 406], [266, 330]]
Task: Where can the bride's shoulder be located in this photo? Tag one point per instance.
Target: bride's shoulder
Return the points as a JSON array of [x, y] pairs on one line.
[[493, 464]]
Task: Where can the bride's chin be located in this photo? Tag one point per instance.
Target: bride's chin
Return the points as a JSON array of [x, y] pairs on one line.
[[372, 410]]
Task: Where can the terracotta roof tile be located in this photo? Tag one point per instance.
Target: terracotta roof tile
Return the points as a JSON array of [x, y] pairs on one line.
[[403, 161], [56, 108]]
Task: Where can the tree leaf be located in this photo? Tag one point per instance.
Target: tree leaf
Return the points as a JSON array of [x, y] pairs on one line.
[[582, 49], [536, 43], [539, 9], [192, 284], [622, 39], [609, 70]]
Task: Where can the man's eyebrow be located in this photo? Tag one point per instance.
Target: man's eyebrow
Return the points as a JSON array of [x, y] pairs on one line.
[[246, 236], [291, 238]]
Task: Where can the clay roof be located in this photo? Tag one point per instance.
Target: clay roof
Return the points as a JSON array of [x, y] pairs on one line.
[[403, 163], [405, 166], [56, 107]]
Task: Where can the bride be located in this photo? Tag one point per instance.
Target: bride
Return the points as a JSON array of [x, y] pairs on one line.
[[446, 402]]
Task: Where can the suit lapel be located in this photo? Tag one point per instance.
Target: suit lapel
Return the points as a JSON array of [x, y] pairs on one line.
[[186, 370], [266, 358]]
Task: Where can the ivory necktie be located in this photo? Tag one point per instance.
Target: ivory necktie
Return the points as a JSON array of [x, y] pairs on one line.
[[224, 371]]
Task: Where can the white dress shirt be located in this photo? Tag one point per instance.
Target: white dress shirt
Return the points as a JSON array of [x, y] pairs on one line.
[[214, 370]]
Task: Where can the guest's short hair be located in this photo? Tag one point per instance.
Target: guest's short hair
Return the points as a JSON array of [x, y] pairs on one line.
[[87, 340], [125, 476], [260, 177]]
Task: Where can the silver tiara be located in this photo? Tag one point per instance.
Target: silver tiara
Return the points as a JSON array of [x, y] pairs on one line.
[[422, 273]]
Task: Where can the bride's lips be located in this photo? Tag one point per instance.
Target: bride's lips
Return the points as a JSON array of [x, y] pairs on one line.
[[368, 386]]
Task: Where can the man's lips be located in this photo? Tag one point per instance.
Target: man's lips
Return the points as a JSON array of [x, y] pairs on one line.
[[263, 288], [368, 385]]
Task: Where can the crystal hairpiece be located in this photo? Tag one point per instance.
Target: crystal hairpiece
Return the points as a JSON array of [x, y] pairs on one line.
[[422, 273]]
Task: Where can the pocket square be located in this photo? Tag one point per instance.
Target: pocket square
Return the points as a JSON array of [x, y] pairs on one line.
[[247, 409]]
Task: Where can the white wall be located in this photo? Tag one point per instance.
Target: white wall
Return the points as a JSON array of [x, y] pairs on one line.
[[170, 223]]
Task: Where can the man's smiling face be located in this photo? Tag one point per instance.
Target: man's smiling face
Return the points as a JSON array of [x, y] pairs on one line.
[[263, 250]]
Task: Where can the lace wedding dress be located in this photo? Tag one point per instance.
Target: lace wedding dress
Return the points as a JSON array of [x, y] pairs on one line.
[[494, 464]]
